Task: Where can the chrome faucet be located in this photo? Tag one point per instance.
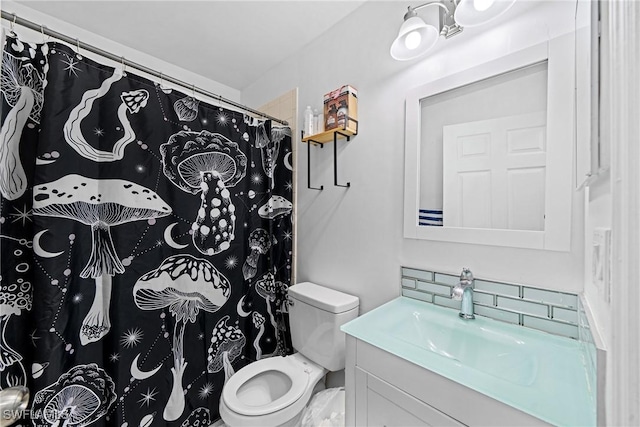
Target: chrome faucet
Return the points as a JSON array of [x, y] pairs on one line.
[[463, 291]]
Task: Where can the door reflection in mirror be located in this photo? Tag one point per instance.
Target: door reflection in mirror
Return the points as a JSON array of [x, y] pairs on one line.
[[483, 152]]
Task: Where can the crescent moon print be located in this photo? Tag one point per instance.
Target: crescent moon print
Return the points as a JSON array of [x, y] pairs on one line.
[[240, 308], [141, 375], [169, 239], [132, 102], [287, 161], [38, 250]]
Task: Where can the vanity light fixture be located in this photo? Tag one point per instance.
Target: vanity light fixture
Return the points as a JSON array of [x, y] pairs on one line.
[[416, 37]]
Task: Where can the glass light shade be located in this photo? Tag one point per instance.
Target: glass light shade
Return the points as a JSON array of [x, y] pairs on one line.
[[482, 5], [468, 15], [414, 29]]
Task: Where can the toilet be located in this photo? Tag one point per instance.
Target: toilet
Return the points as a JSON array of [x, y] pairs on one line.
[[274, 391]]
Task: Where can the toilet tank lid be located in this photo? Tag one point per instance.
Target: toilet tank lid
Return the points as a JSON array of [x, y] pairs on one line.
[[323, 298]]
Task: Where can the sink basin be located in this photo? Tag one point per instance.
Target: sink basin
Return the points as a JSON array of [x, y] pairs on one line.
[[466, 342], [541, 374]]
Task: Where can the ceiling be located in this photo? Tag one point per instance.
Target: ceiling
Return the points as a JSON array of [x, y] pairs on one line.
[[231, 42]]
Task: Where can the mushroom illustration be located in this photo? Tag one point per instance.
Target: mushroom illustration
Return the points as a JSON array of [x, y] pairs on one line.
[[100, 204], [266, 288], [80, 397], [135, 100], [275, 206], [272, 149], [185, 285], [227, 342], [132, 102], [208, 163], [258, 322], [274, 292], [282, 301], [14, 298], [71, 406], [262, 137], [278, 133], [200, 417], [259, 244], [186, 108], [23, 89]]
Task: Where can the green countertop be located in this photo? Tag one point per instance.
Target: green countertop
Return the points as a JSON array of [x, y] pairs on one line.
[[538, 373]]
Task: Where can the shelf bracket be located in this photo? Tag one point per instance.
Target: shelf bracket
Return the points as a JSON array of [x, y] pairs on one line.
[[325, 137], [335, 159], [309, 165]]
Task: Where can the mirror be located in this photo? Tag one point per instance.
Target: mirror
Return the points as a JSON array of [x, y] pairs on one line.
[[483, 153], [488, 151]]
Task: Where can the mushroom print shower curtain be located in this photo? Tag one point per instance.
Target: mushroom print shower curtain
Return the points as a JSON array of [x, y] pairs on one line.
[[145, 243]]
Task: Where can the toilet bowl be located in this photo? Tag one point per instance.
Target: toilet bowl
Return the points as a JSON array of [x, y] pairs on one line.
[[273, 392], [270, 392]]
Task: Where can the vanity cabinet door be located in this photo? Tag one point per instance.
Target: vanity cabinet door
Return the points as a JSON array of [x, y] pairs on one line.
[[385, 405]]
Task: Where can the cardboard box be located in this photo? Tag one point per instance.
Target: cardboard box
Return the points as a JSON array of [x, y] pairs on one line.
[[340, 106]]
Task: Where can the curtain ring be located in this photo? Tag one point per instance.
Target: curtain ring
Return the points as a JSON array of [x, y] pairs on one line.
[[161, 80], [78, 49], [193, 91], [122, 63], [13, 23], [44, 38]]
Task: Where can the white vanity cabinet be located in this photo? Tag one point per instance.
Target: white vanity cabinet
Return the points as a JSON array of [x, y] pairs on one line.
[[381, 404], [386, 390]]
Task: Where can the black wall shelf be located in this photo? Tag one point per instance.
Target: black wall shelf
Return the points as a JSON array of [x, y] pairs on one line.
[[350, 129]]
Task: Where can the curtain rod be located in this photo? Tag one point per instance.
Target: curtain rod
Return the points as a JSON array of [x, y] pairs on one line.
[[11, 17]]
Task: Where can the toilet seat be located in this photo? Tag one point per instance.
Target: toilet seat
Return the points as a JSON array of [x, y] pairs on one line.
[[295, 372]]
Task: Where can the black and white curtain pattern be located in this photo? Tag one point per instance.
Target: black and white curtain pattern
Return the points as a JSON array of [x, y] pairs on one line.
[[145, 240]]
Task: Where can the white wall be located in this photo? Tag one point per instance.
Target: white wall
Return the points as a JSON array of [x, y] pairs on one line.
[[351, 239], [611, 202], [598, 198], [60, 26]]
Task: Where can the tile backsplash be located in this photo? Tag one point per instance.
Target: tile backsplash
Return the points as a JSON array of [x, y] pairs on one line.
[[548, 311]]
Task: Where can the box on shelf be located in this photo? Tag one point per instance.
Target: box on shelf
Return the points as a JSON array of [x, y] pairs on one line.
[[340, 105]]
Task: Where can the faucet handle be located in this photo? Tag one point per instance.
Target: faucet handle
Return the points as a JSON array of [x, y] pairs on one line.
[[456, 293], [466, 275]]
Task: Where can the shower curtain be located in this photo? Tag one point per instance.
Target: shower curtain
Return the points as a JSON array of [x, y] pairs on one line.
[[145, 243]]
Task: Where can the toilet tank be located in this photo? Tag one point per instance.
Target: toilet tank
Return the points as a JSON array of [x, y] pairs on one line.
[[315, 315]]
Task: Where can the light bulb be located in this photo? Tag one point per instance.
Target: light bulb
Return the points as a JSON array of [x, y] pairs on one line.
[[482, 5], [412, 40]]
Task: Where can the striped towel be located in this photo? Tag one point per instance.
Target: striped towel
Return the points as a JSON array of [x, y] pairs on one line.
[[430, 217]]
